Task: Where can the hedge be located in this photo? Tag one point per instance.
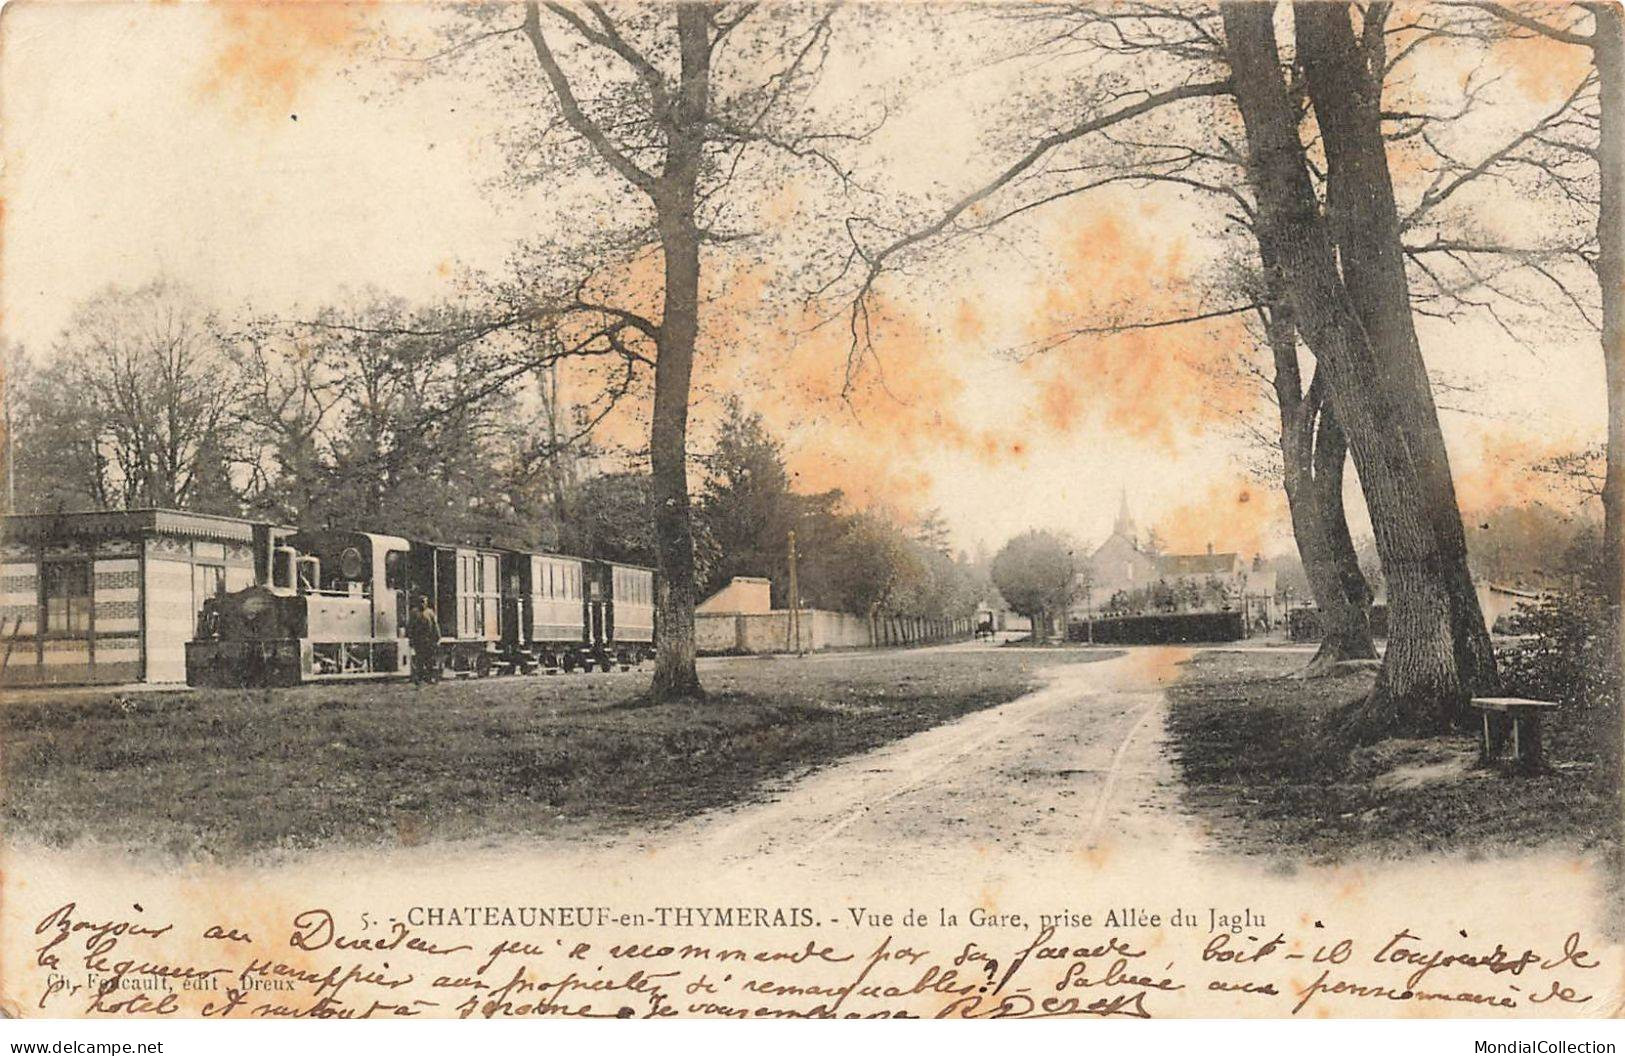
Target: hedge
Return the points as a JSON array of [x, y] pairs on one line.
[[1303, 625], [1165, 629]]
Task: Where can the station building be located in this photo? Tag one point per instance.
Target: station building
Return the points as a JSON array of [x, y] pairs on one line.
[[112, 596]]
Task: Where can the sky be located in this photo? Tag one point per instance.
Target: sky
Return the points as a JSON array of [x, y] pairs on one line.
[[274, 156]]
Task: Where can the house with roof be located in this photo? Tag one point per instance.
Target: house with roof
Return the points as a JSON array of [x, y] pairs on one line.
[[1125, 577], [1118, 566]]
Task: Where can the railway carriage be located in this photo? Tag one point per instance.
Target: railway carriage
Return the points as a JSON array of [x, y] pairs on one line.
[[630, 618], [567, 613], [464, 585], [544, 609]]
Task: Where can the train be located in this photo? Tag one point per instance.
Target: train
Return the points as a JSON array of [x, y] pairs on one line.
[[332, 606]]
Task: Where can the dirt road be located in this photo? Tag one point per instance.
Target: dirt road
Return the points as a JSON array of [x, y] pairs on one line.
[[1072, 769]]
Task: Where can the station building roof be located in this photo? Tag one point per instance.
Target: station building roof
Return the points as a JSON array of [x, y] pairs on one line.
[[112, 524]]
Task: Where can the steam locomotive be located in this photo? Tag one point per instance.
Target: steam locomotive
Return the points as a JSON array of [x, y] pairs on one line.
[[331, 606]]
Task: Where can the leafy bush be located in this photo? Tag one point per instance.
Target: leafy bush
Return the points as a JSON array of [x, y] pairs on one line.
[[1570, 655]]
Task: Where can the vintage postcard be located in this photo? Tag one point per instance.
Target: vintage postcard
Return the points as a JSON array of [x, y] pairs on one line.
[[811, 510]]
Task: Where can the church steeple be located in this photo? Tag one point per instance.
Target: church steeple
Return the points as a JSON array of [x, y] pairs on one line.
[[1125, 520]]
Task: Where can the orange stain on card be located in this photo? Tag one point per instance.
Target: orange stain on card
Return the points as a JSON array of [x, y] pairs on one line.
[[1234, 514], [969, 325], [1152, 382], [866, 425], [266, 53], [1546, 70], [1504, 470]]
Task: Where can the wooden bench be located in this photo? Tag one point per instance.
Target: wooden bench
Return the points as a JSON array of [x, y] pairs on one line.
[[1523, 717]]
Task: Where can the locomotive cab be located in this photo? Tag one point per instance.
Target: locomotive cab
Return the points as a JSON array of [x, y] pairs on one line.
[[328, 608]]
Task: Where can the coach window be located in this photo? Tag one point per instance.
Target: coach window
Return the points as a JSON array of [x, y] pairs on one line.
[[66, 585], [469, 612]]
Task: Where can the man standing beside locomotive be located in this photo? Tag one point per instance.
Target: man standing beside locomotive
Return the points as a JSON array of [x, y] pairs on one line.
[[423, 634]]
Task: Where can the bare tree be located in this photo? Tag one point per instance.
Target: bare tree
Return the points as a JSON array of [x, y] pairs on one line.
[[416, 414], [1163, 139], [1439, 652], [132, 409], [1599, 29], [1343, 271], [674, 107]]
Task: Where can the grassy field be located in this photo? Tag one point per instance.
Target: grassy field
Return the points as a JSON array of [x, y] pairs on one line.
[[223, 774], [1248, 739]]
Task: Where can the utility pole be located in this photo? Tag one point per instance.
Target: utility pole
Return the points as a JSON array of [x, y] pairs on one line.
[[795, 596]]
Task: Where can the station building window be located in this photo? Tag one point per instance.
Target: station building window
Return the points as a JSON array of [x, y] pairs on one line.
[[66, 589]]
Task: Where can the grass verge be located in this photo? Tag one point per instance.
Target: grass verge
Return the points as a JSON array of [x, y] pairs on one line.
[[1258, 769], [220, 774]]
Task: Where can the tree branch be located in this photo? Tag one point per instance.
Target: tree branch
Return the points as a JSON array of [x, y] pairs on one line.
[[859, 316], [1109, 329], [583, 125], [1535, 25], [607, 36]]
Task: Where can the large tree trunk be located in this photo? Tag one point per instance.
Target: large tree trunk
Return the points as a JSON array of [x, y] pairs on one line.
[[1608, 54], [675, 673], [1331, 456], [1346, 612], [1365, 226], [1312, 454], [1421, 687]]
